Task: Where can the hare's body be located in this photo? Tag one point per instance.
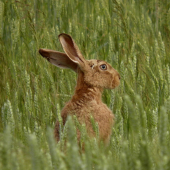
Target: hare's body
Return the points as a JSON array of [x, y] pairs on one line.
[[85, 104], [93, 77]]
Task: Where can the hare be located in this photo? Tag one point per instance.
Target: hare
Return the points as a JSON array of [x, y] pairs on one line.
[[93, 76]]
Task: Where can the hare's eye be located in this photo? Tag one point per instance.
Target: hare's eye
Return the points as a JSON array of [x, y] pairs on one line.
[[103, 67]]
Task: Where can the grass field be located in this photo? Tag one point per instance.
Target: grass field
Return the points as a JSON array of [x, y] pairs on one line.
[[132, 35]]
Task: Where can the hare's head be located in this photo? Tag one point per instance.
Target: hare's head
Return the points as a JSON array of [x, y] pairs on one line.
[[96, 73]]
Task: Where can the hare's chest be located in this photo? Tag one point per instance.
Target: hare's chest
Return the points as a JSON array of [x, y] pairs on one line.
[[100, 113], [87, 114], [102, 116]]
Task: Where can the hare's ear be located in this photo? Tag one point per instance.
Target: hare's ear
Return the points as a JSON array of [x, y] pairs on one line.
[[58, 59], [71, 49]]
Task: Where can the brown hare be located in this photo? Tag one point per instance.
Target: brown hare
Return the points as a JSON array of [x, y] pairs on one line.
[[93, 77]]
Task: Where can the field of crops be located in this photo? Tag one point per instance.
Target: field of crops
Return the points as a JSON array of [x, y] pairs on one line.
[[132, 35]]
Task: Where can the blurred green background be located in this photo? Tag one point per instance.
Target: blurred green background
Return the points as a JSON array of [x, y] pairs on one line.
[[132, 35]]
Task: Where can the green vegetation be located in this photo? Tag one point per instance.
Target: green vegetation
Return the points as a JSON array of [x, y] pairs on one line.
[[132, 35]]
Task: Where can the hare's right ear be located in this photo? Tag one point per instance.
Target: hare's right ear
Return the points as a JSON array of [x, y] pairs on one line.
[[72, 50], [58, 59]]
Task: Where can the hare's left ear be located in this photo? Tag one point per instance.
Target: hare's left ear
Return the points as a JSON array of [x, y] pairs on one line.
[[72, 50], [58, 59]]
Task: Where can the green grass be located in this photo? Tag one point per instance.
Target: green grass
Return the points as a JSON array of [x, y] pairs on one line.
[[132, 35]]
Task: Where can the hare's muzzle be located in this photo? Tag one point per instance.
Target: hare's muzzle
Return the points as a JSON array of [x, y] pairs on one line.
[[116, 80], [119, 76]]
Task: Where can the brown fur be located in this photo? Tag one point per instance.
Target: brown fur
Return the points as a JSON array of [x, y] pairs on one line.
[[86, 101]]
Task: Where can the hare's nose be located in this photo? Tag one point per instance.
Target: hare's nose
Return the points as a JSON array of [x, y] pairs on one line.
[[119, 76]]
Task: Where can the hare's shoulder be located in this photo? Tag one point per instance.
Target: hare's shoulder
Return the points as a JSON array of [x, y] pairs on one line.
[[98, 110]]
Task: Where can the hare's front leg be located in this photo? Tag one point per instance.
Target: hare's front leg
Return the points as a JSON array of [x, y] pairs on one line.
[[57, 131]]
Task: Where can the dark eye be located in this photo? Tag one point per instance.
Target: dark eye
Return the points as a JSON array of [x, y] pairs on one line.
[[103, 67]]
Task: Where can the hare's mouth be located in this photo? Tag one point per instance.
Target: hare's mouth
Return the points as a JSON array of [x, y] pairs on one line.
[[116, 81]]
